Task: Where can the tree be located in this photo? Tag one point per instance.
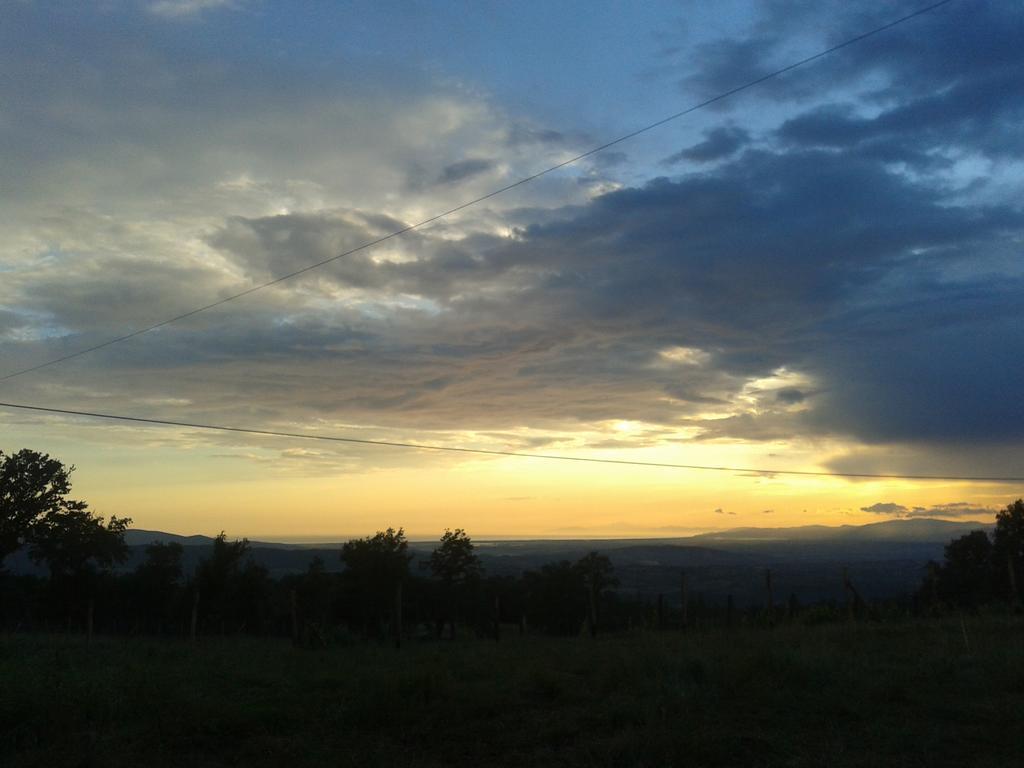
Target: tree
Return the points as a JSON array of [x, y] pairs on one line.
[[597, 571], [556, 598], [158, 580], [314, 592], [598, 574], [1008, 549], [74, 542], [32, 485], [453, 561], [456, 565], [375, 567], [965, 578], [217, 579], [78, 547], [380, 560]]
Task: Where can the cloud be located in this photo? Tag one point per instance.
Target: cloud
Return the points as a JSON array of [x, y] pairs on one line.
[[951, 509], [886, 508], [790, 396], [182, 9], [464, 169], [841, 270], [718, 143]]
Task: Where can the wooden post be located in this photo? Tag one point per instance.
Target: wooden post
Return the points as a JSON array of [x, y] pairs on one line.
[[398, 614], [846, 592], [933, 586], [295, 616], [89, 610], [770, 599], [451, 617], [592, 612], [1014, 597], [728, 611], [684, 597], [854, 601], [497, 618], [195, 615]]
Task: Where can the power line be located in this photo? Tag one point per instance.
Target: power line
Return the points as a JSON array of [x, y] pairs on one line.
[[516, 454], [475, 201]]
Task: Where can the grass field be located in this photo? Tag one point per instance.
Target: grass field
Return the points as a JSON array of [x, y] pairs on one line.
[[903, 694]]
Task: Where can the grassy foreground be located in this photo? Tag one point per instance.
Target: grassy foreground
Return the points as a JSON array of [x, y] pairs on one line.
[[908, 694]]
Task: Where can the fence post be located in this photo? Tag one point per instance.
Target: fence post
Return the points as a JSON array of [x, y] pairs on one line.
[[771, 601], [89, 610], [684, 597], [728, 611], [195, 615], [592, 600], [1014, 597], [497, 618], [854, 601], [398, 614], [849, 594], [295, 615]]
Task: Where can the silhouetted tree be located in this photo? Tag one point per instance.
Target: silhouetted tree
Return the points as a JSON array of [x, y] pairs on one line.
[[217, 580], [597, 570], [32, 485], [158, 582], [1008, 548], [315, 594], [453, 561], [556, 598], [374, 567], [965, 578], [78, 548], [250, 597], [456, 565], [598, 574], [73, 541]]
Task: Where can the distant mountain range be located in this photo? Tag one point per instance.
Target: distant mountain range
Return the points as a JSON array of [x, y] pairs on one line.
[[911, 530], [914, 530]]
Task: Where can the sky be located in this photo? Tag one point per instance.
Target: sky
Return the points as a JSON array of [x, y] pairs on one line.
[[821, 273]]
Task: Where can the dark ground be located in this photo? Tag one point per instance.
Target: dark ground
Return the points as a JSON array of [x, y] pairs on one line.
[[898, 694]]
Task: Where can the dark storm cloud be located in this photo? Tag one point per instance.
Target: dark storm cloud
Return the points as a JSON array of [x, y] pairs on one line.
[[980, 113], [718, 143], [972, 44], [464, 169], [790, 396], [829, 264]]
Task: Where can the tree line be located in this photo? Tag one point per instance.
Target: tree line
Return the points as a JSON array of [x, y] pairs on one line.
[[381, 592], [977, 569], [229, 592]]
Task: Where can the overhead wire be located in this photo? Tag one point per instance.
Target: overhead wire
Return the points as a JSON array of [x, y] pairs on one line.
[[1009, 479]]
